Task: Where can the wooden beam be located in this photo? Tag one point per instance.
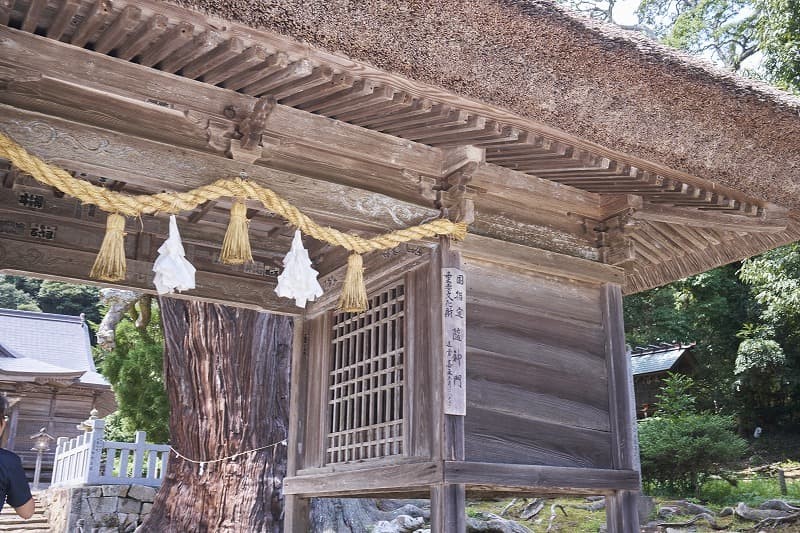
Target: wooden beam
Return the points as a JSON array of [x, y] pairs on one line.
[[490, 477], [777, 219], [198, 103], [157, 166], [411, 477], [129, 98], [545, 195], [66, 264], [488, 250]]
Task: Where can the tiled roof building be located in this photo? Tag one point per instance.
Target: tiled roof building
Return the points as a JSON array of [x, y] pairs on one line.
[[48, 375]]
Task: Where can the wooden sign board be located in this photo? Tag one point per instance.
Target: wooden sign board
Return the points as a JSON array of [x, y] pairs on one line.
[[454, 341]]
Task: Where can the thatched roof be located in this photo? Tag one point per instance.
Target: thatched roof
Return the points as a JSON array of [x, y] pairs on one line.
[[594, 81]]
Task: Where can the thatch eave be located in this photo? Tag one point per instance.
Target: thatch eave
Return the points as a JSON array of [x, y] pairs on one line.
[[602, 84]]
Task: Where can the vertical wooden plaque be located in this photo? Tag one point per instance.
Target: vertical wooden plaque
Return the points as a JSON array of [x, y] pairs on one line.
[[454, 341]]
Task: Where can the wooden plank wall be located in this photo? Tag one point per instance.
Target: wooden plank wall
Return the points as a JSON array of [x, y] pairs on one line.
[[537, 380]]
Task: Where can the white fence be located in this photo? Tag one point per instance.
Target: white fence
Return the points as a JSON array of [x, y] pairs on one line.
[[89, 459]]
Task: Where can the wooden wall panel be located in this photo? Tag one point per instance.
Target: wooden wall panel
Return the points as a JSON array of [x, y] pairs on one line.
[[74, 406], [537, 377]]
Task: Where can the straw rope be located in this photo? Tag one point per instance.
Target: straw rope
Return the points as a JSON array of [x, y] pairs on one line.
[[175, 202]]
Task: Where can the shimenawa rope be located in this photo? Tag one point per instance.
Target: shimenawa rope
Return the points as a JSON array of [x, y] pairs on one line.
[[110, 263]]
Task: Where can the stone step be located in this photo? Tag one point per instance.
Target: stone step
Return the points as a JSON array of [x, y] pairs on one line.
[[37, 520]]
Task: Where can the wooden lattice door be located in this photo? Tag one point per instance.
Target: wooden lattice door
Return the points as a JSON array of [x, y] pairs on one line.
[[366, 379]]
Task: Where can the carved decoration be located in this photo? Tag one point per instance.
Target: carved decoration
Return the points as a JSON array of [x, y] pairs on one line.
[[44, 134], [247, 147], [453, 196], [375, 206]]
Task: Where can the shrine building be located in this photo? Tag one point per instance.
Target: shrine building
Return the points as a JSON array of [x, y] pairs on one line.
[[586, 162]]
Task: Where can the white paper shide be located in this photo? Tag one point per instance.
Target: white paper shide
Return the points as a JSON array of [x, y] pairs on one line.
[[298, 280], [173, 270]]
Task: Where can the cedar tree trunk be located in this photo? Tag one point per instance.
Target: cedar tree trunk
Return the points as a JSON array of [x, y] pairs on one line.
[[227, 377]]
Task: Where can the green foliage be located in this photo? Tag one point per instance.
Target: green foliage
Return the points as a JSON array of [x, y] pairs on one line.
[[778, 30], [681, 447], [676, 398], [31, 294], [135, 370], [768, 359], [759, 355], [70, 299], [752, 492], [709, 309], [29, 285], [118, 429], [13, 298]]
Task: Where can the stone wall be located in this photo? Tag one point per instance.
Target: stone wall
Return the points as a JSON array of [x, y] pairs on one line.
[[97, 509]]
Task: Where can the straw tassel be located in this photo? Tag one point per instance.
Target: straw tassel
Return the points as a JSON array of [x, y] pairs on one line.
[[459, 231], [354, 292], [110, 263], [236, 245]]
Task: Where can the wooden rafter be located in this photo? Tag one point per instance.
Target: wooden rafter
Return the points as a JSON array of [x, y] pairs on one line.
[[258, 63]]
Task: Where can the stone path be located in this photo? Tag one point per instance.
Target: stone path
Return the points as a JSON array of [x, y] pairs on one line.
[[11, 523]]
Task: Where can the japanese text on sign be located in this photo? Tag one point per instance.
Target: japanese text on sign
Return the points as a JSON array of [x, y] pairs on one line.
[[454, 322]]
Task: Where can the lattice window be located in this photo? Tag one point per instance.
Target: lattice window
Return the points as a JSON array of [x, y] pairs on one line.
[[365, 397]]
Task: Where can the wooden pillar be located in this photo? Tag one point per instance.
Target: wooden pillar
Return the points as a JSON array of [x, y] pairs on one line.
[[296, 514], [448, 501], [296, 509], [622, 506], [448, 513]]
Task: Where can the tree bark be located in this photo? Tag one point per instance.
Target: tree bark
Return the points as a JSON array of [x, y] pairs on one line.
[[227, 378]]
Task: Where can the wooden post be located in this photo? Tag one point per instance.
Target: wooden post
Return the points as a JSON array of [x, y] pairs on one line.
[[97, 440], [296, 517], [448, 501], [296, 509], [622, 506], [782, 482]]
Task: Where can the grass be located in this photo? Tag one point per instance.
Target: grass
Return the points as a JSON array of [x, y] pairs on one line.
[[752, 492], [716, 494]]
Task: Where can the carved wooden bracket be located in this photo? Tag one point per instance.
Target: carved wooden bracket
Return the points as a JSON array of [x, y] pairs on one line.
[[614, 242], [453, 194], [246, 144]]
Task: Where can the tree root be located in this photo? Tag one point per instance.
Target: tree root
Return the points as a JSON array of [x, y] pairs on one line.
[[505, 510], [776, 521], [553, 515], [532, 509], [692, 508], [779, 505], [755, 515], [712, 523]]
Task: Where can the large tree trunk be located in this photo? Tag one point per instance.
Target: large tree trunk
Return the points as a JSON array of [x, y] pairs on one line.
[[227, 378]]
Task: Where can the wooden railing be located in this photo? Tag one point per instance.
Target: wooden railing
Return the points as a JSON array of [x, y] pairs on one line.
[[89, 459]]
